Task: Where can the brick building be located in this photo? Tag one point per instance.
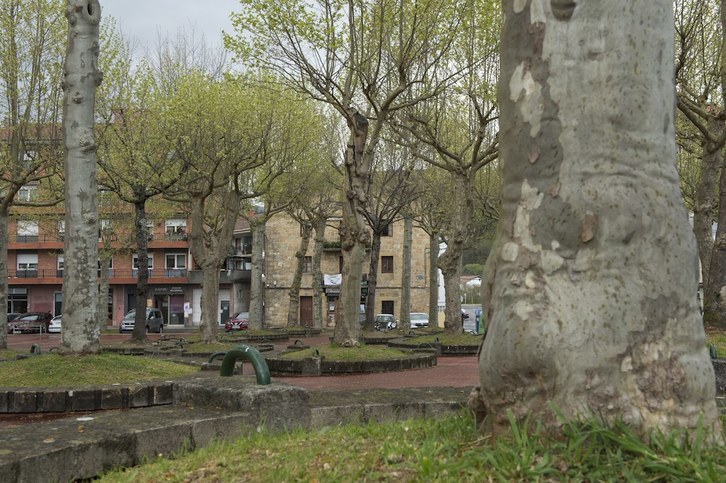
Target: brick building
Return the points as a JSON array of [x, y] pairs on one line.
[[35, 269]]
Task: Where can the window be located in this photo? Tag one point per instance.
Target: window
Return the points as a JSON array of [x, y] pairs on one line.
[[176, 229], [387, 265], [176, 264], [135, 262], [110, 267], [60, 262], [105, 227], [388, 231], [27, 264], [27, 231], [387, 307], [176, 261], [340, 264], [27, 193], [307, 264], [61, 229]]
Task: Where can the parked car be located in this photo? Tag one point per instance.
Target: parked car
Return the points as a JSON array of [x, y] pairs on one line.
[[240, 321], [419, 319], [30, 322], [154, 321], [55, 325], [384, 322]]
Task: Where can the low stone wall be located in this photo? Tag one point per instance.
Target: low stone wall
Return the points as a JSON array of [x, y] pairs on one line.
[[316, 366]]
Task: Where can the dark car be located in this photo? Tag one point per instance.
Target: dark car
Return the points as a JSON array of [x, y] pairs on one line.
[[30, 322], [384, 322], [241, 321]]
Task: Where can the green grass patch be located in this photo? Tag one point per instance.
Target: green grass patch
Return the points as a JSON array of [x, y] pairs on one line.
[[338, 353], [446, 450], [6, 354], [53, 370], [447, 339], [717, 338]]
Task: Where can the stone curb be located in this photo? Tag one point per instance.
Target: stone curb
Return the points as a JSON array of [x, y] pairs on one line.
[[317, 366], [93, 398], [207, 408]]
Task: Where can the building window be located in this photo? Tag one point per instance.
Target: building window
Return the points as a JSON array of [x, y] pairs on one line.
[[105, 228], [61, 229], [176, 264], [388, 231], [27, 193], [307, 264], [176, 229], [387, 265], [387, 307], [110, 267], [340, 264], [60, 263], [27, 265], [135, 262], [27, 231]]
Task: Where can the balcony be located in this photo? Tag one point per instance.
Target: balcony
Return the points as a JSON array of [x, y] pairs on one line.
[[52, 275]]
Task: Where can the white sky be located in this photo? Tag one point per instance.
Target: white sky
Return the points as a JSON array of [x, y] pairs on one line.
[[145, 20]]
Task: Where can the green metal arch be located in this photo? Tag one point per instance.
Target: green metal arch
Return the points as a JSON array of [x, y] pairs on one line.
[[247, 353]]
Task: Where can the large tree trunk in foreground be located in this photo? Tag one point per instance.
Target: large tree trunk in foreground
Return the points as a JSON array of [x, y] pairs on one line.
[[80, 332], [594, 299]]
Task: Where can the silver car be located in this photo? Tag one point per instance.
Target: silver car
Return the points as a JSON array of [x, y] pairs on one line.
[[154, 321]]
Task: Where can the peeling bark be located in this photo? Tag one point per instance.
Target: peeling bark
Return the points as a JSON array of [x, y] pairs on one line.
[[80, 332], [594, 311]]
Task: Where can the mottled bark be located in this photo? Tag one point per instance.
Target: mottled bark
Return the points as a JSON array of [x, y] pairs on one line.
[[80, 332], [317, 285], [3, 278], [704, 212], [293, 318], [142, 272], [433, 279], [593, 307], [450, 261], [257, 282], [209, 246], [373, 265], [353, 233], [404, 318]]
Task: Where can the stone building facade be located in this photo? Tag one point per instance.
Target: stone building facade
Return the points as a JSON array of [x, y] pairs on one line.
[[282, 242]]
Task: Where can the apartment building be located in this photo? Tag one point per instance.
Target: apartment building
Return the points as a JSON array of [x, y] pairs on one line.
[[35, 262]]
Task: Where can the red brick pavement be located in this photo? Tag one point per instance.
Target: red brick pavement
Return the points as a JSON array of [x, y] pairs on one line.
[[449, 371]]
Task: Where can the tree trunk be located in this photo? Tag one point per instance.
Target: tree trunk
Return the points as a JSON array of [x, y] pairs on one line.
[[293, 319], [80, 332], [209, 303], [594, 309], [353, 233], [257, 282], [372, 281], [318, 273], [141, 231], [3, 278], [103, 283], [404, 319], [450, 264], [451, 260], [704, 213], [434, 279], [714, 314]]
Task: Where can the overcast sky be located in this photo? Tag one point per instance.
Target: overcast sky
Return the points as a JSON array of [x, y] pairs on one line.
[[144, 20]]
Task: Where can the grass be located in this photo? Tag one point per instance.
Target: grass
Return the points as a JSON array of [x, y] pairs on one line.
[[717, 338], [338, 353], [52, 370], [446, 339], [447, 449]]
